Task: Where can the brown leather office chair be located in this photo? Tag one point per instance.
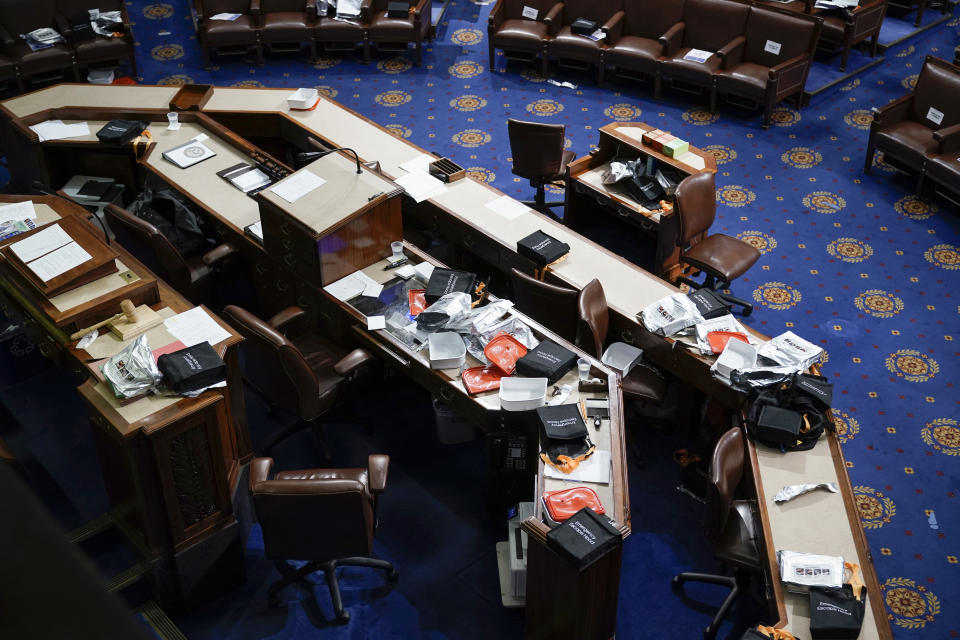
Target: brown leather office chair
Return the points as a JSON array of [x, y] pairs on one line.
[[722, 258], [192, 276], [414, 28], [100, 50], [903, 130], [729, 524], [228, 37], [301, 374], [17, 17], [539, 156], [644, 384], [324, 516], [285, 25], [552, 306], [520, 38]]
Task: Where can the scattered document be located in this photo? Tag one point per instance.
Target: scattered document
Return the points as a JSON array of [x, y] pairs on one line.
[[255, 229], [596, 468], [697, 55], [372, 290], [225, 16], [40, 243], [351, 286], [59, 261], [421, 186], [57, 130], [376, 322], [189, 153], [195, 326], [406, 271], [420, 163], [18, 211], [508, 207], [298, 185]]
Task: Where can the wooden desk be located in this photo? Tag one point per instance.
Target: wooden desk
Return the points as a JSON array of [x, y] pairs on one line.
[[173, 466], [589, 202]]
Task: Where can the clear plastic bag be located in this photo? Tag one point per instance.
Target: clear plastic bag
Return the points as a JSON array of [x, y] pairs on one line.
[[132, 371]]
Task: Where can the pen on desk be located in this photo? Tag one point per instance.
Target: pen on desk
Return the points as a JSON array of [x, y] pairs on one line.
[[394, 265], [374, 196]]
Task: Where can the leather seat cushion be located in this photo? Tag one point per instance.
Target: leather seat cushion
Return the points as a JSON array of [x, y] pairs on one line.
[[520, 35], [226, 32], [101, 48], [567, 44], [643, 384], [360, 475], [338, 30], [700, 73], [31, 62], [384, 27], [737, 544], [907, 141], [747, 78], [634, 52], [722, 255], [285, 26], [945, 168]]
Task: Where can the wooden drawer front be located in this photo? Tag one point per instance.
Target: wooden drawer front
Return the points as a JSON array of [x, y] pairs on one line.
[[290, 244]]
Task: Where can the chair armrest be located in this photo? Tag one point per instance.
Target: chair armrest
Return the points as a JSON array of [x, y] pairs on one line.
[[731, 53], [218, 253], [788, 64], [377, 466], [351, 362], [419, 8], [259, 471], [895, 111], [285, 317], [789, 76], [63, 27], [671, 39], [495, 19], [949, 139], [552, 19], [613, 27]]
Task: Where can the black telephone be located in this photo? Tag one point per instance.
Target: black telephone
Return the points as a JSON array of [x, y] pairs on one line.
[[509, 450]]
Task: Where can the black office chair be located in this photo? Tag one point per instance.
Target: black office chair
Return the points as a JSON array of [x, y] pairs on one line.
[[729, 525], [539, 156]]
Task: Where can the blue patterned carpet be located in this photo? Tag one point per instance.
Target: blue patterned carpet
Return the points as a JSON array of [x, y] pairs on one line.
[[851, 261]]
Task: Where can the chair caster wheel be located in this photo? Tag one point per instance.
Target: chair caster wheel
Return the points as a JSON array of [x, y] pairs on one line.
[[747, 312], [343, 617], [676, 582], [709, 633], [393, 575]]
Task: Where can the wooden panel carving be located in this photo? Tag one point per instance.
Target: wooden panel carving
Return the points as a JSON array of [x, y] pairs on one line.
[[193, 476]]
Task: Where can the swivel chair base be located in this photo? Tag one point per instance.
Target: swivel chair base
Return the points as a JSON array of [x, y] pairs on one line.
[[730, 581], [330, 570], [539, 203]]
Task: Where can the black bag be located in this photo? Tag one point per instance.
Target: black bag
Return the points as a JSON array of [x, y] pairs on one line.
[[786, 396], [547, 360], [781, 426], [399, 10], [645, 190], [121, 131], [563, 432], [584, 538], [113, 26], [816, 388], [709, 303], [80, 28], [444, 281], [173, 218], [192, 368], [836, 613], [583, 27], [542, 249]]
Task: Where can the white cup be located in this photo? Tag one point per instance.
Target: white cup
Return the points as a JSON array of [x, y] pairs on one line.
[[397, 250], [173, 119], [583, 368]]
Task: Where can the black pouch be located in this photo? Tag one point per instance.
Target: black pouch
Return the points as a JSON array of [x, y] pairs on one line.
[[399, 10], [645, 190], [780, 426], [563, 432], [709, 303], [80, 27], [816, 388], [113, 26], [583, 27], [547, 360], [584, 538], [836, 613], [444, 281], [121, 131], [542, 249], [192, 368]]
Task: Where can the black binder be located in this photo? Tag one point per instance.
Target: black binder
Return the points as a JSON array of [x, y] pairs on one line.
[[584, 538]]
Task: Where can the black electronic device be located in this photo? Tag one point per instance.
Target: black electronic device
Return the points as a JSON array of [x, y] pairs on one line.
[[583, 27], [399, 10]]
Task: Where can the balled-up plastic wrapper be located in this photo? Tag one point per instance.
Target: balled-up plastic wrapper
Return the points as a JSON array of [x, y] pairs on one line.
[[512, 325], [133, 370], [621, 171], [449, 308]]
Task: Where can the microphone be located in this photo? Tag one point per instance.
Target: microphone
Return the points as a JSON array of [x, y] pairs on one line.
[[309, 156]]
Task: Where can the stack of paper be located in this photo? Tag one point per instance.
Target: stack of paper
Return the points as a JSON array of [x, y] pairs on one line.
[[50, 253], [697, 55], [57, 130], [18, 211], [420, 185], [353, 285], [298, 185]]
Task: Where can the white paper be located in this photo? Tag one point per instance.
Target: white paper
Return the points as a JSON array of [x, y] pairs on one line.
[[298, 185], [596, 469], [57, 130], [633, 132], [529, 13], [406, 271], [421, 186], [195, 326], [697, 55], [772, 47], [53, 237], [376, 322], [18, 211], [373, 290], [935, 115], [59, 261], [250, 180], [87, 339], [420, 163], [423, 271], [256, 230], [225, 16], [353, 285], [508, 207], [200, 137]]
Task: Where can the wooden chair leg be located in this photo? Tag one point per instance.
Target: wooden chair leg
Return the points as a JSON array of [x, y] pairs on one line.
[[874, 44], [366, 51], [492, 58], [419, 52], [259, 52], [868, 163], [657, 85], [546, 64], [600, 70]]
